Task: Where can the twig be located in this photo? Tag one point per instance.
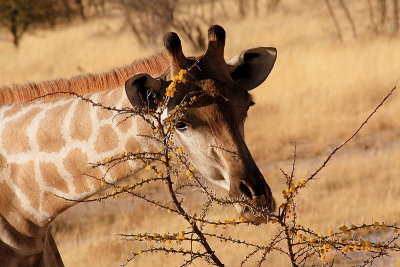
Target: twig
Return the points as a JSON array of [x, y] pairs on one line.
[[351, 137]]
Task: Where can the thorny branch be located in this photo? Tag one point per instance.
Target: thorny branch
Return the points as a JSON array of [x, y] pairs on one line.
[[300, 244]]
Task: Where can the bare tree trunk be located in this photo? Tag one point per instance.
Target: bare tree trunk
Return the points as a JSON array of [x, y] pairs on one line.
[[242, 8], [80, 8], [349, 18], [334, 19], [67, 10], [14, 27], [98, 5], [255, 7], [193, 34], [212, 10], [382, 7], [103, 6], [372, 17], [132, 26], [223, 9], [395, 15], [272, 5], [203, 11]]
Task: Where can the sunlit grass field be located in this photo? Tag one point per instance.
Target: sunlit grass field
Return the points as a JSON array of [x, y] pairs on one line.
[[318, 94]]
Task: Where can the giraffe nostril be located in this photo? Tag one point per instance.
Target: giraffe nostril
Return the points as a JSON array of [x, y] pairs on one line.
[[245, 190]]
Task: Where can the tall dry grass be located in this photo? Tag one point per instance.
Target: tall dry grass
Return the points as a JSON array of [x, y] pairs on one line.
[[319, 91]]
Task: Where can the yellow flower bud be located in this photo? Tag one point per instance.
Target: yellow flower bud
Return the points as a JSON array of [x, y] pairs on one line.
[[181, 236], [180, 150]]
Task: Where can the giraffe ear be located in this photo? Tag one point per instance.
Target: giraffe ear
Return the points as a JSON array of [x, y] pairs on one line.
[[252, 66], [143, 91]]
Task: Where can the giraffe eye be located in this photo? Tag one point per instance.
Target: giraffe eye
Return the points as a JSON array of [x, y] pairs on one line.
[[181, 125]]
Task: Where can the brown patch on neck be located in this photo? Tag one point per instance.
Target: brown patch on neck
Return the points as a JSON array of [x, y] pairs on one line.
[[3, 162], [84, 177], [131, 144], [9, 202], [83, 84], [54, 205], [24, 178], [52, 178], [106, 140], [125, 123], [81, 124], [121, 170], [14, 137], [107, 100], [76, 164], [49, 136]]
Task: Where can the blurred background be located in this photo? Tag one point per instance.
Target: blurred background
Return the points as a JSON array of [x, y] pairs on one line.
[[336, 60]]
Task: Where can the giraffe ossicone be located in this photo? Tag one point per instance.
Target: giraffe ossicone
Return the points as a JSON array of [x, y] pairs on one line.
[[46, 144]]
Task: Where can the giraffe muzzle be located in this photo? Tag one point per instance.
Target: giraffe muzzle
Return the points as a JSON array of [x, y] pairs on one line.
[[258, 202]]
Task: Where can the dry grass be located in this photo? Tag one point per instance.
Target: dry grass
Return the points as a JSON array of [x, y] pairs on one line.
[[318, 93]]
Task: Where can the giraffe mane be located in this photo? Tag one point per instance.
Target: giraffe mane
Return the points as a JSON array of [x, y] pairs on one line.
[[83, 84]]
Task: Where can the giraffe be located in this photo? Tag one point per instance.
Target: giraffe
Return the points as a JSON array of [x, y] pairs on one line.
[[46, 144]]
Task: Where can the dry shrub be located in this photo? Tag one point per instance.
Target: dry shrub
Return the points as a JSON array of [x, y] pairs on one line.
[[194, 241]]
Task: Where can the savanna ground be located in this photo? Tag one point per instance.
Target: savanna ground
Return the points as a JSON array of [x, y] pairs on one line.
[[319, 92]]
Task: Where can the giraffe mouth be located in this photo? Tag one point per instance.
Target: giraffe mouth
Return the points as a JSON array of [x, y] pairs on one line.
[[257, 215], [259, 203]]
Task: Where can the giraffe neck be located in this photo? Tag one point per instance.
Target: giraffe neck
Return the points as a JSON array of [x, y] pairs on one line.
[[45, 149]]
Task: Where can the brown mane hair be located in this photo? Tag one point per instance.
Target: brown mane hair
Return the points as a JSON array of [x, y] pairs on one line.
[[83, 84]]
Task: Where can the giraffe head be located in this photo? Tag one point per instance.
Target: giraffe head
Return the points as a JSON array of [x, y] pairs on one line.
[[211, 131]]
